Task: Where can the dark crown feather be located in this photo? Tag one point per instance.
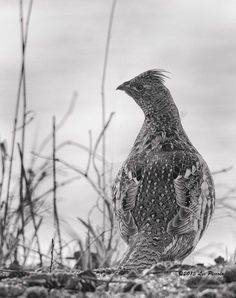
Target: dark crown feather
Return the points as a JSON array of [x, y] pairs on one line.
[[155, 73]]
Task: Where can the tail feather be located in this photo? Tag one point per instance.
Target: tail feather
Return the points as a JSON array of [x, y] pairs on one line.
[[141, 254], [145, 252]]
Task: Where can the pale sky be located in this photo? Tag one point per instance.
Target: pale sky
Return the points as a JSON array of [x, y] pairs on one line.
[[193, 39]]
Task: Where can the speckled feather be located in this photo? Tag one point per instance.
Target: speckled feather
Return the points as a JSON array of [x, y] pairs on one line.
[[164, 193]]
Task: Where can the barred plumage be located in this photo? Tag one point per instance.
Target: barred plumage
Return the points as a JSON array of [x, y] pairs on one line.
[[164, 193]]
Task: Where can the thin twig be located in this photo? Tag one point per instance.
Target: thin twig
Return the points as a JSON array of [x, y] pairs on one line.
[[59, 185], [228, 206], [104, 73], [31, 242], [89, 263], [88, 246], [80, 146], [90, 153], [46, 256], [96, 147], [56, 217], [16, 112], [62, 122], [28, 196], [52, 254], [21, 203], [3, 167], [224, 170], [30, 115], [23, 82], [77, 170]]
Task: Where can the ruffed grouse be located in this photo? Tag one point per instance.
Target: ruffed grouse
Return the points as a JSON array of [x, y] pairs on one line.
[[164, 194]]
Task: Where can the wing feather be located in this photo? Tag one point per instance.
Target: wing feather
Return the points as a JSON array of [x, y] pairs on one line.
[[193, 192], [124, 197]]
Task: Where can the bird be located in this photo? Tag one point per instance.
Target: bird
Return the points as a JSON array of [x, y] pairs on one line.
[[164, 194]]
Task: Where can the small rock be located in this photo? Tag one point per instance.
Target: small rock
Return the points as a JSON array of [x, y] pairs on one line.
[[193, 282], [45, 276], [208, 294], [230, 274], [35, 282], [59, 294], [36, 292], [10, 290], [62, 278], [200, 264], [73, 283], [15, 265], [55, 293], [3, 290], [182, 267], [155, 269], [132, 286], [220, 260], [227, 294], [17, 274], [123, 271], [132, 274], [209, 283], [88, 280], [232, 287], [190, 295], [109, 270], [101, 288], [202, 282]]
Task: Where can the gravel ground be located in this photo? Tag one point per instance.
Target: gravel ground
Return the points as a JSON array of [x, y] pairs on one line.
[[162, 280]]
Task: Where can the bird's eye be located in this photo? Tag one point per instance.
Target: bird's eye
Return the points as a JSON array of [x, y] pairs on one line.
[[138, 87]]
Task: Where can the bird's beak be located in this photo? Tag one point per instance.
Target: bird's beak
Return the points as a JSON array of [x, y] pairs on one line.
[[123, 86]]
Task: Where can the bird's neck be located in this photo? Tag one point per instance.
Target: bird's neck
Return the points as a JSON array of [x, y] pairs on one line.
[[165, 119], [162, 125], [165, 126]]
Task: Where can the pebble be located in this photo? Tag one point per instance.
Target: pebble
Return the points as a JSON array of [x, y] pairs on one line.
[[60, 294], [208, 293], [74, 283], [132, 286], [202, 282], [230, 274], [36, 292], [10, 290], [232, 287]]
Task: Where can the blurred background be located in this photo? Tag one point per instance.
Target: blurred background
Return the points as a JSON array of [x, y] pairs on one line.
[[193, 40]]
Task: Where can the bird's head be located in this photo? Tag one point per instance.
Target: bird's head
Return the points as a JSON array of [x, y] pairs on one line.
[[148, 90]]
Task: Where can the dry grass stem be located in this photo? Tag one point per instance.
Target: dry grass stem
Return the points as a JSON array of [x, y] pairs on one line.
[[104, 73], [55, 212]]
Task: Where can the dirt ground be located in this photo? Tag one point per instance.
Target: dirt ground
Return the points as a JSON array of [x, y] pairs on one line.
[[162, 280]]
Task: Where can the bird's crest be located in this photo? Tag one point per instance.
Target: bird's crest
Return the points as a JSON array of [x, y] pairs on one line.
[[155, 73]]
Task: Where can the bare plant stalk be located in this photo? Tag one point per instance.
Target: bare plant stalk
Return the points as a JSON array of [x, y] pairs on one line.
[[89, 263], [77, 170], [3, 167], [224, 170], [56, 217], [61, 122], [31, 241], [104, 107], [52, 255], [16, 114], [100, 137], [23, 81], [49, 191], [21, 203], [90, 153], [31, 207]]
